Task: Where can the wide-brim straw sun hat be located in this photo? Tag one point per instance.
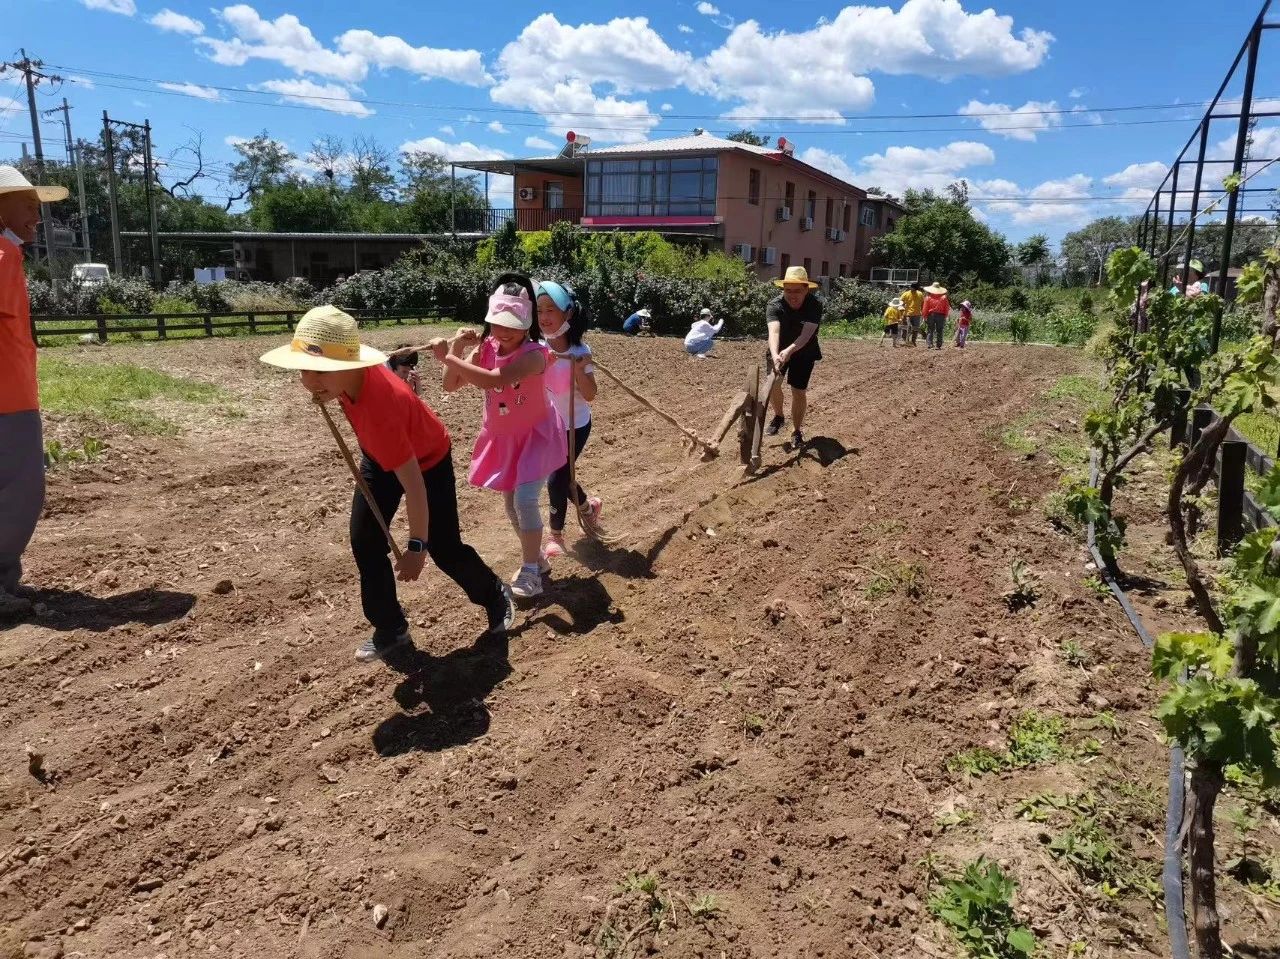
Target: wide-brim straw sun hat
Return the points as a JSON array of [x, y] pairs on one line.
[[325, 340], [12, 181], [796, 276], [935, 289]]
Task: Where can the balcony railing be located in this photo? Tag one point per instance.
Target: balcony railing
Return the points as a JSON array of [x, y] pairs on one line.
[[526, 218]]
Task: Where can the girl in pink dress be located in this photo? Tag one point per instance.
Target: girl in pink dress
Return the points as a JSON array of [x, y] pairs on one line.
[[521, 442]]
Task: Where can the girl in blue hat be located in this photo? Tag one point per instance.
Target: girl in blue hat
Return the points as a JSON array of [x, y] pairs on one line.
[[563, 323]]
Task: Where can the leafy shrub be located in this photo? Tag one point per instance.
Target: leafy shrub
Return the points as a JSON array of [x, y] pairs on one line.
[[173, 304], [1086, 302], [851, 300], [1016, 299], [123, 296], [1020, 328], [1071, 327]]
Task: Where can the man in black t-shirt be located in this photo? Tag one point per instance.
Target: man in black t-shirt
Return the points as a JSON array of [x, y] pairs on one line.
[[793, 319]]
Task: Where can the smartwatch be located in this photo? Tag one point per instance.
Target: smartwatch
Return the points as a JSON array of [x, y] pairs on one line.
[[417, 546]]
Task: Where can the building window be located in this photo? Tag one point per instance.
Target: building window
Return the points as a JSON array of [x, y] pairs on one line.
[[552, 195], [808, 265], [826, 268], [831, 207], [842, 272], [790, 201], [870, 215], [786, 261], [667, 187], [811, 205], [848, 215], [753, 188]]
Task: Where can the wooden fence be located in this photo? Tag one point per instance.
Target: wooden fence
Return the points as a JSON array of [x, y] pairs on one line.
[[1238, 510], [103, 326]]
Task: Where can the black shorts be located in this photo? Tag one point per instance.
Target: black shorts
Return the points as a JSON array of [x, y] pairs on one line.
[[799, 369]]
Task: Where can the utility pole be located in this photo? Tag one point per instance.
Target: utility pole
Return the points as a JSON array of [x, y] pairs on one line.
[[73, 158], [151, 206], [30, 74], [111, 193]]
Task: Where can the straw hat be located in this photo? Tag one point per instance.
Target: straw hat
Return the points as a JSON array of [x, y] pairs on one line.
[[325, 340], [897, 303], [795, 276], [12, 181], [935, 289], [645, 313], [705, 311]]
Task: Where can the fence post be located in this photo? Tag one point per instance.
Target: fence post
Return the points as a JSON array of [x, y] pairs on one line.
[[1201, 417], [208, 324], [102, 329], [1178, 433], [1231, 495], [160, 329], [253, 322]]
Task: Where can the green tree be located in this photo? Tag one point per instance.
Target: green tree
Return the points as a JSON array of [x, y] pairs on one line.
[[939, 233], [263, 163], [295, 206], [431, 194], [749, 136], [1086, 249], [1034, 249]]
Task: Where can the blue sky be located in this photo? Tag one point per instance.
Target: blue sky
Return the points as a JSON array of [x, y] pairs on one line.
[[841, 82]]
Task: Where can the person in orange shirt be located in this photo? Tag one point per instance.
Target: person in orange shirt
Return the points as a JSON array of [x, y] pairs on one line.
[[936, 309], [21, 435]]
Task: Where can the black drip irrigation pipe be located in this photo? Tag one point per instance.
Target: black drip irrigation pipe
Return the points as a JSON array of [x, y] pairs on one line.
[[1171, 875]]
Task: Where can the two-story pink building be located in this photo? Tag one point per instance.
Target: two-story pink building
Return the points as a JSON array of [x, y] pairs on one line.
[[757, 203]]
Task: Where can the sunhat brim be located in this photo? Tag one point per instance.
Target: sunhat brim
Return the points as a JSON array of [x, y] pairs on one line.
[[287, 358], [509, 320], [786, 283], [45, 194], [935, 290]]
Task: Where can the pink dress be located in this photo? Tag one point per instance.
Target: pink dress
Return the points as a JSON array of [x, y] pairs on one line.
[[521, 440]]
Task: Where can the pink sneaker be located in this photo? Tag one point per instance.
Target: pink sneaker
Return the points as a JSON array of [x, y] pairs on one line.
[[554, 546], [595, 506]]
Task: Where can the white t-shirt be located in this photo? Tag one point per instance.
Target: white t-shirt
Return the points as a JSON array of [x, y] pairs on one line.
[[702, 333], [557, 379]]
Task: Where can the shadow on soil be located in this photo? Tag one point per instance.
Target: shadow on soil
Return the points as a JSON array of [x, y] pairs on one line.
[[627, 563], [70, 609], [823, 450], [585, 600], [443, 698]]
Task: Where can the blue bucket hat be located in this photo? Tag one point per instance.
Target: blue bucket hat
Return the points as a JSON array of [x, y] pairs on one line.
[[560, 295]]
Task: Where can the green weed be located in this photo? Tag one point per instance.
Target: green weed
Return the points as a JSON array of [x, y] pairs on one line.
[[110, 392], [977, 907], [1084, 389], [1026, 587], [1074, 653], [957, 817], [1097, 584], [906, 578], [55, 454], [1095, 856], [1041, 808], [1033, 740], [753, 725], [704, 907]]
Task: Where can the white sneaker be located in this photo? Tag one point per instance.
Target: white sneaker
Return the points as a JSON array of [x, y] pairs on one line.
[[527, 583]]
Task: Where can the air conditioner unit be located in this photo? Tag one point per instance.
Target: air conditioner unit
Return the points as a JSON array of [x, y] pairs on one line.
[[769, 255], [527, 193], [746, 251], [839, 236], [806, 223], [831, 233], [784, 214]]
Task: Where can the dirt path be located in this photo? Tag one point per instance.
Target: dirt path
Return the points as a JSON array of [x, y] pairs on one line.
[[753, 699]]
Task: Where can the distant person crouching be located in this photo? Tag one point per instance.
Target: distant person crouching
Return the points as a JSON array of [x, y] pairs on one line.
[[701, 337]]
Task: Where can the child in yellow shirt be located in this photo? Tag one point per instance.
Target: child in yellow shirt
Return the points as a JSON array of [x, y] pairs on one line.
[[894, 314]]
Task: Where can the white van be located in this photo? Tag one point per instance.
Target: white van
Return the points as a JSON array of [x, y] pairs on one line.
[[90, 274]]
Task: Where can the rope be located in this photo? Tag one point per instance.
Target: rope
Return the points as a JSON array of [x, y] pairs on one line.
[[364, 487]]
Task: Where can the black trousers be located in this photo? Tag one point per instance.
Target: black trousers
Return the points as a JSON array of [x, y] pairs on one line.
[[558, 484], [451, 555]]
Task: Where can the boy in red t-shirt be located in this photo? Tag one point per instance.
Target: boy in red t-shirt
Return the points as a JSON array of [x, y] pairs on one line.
[[406, 453]]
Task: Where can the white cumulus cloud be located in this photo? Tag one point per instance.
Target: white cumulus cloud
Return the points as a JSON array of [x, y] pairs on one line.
[[173, 22], [285, 40], [459, 66], [324, 96], [821, 72], [707, 9], [537, 143], [447, 130], [684, 28], [123, 7], [903, 168], [582, 77], [1064, 201], [454, 152], [495, 126], [1015, 123], [192, 90], [1146, 176]]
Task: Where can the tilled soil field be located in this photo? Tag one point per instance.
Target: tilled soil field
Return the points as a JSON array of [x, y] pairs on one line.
[[744, 709]]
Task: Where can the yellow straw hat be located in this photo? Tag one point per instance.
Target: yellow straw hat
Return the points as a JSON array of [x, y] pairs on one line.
[[325, 340], [935, 289], [12, 181], [796, 274]]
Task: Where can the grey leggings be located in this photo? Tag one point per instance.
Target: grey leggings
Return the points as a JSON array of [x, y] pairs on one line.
[[21, 489], [522, 505]]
